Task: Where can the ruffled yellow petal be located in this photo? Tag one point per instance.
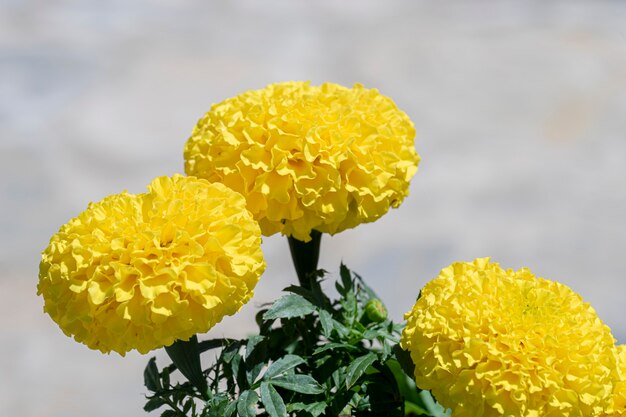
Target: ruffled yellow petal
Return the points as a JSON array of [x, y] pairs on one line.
[[494, 342], [141, 271], [305, 157]]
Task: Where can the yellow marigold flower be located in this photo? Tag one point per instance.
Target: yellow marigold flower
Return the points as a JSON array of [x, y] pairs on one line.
[[141, 271], [493, 342], [619, 391], [307, 158]]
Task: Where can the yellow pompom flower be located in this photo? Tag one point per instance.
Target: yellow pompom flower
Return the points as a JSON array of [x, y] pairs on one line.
[[323, 158], [619, 392], [493, 342], [141, 271]]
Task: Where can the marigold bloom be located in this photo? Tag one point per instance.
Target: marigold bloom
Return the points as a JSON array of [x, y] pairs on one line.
[[305, 157], [141, 271], [619, 391], [493, 342]]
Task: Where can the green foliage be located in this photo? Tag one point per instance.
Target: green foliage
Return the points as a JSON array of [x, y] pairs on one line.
[[312, 357]]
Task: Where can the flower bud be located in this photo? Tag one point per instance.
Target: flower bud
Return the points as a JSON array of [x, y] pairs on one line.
[[375, 310]]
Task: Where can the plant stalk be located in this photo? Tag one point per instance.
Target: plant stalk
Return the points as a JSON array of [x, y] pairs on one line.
[[305, 256]]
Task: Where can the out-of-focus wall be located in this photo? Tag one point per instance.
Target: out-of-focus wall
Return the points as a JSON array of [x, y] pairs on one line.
[[520, 109]]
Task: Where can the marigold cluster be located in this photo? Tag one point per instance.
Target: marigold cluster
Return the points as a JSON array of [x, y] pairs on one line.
[[323, 158], [494, 342], [141, 271]]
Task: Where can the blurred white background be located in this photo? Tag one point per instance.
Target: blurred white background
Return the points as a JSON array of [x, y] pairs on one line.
[[520, 109]]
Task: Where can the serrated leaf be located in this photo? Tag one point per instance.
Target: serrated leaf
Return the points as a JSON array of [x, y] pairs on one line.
[[253, 343], [334, 346], [153, 404], [358, 367], [346, 279], [246, 404], [186, 356], [404, 359], [205, 345], [304, 384], [349, 308], [151, 376], [282, 365], [239, 370], [326, 320], [288, 306], [373, 334], [217, 406], [296, 289], [405, 383], [187, 405], [272, 401], [231, 351], [230, 409], [433, 407], [315, 409], [414, 409], [339, 376], [165, 377], [256, 354], [366, 288]]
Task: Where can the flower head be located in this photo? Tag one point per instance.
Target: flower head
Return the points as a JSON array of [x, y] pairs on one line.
[[141, 271], [495, 342], [305, 157], [618, 408]]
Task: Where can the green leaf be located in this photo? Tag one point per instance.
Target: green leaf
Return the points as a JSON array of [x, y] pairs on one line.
[[273, 402], [296, 289], [349, 307], [231, 351], [153, 403], [406, 385], [230, 409], [256, 354], [165, 377], [217, 406], [334, 346], [188, 406], [253, 343], [151, 376], [288, 306], [358, 367], [282, 365], [414, 409], [303, 384], [346, 280], [315, 409], [326, 320], [434, 408], [404, 359], [169, 413], [186, 357], [205, 345], [366, 288], [246, 404], [339, 376]]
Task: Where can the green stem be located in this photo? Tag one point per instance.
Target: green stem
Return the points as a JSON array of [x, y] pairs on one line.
[[305, 256]]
